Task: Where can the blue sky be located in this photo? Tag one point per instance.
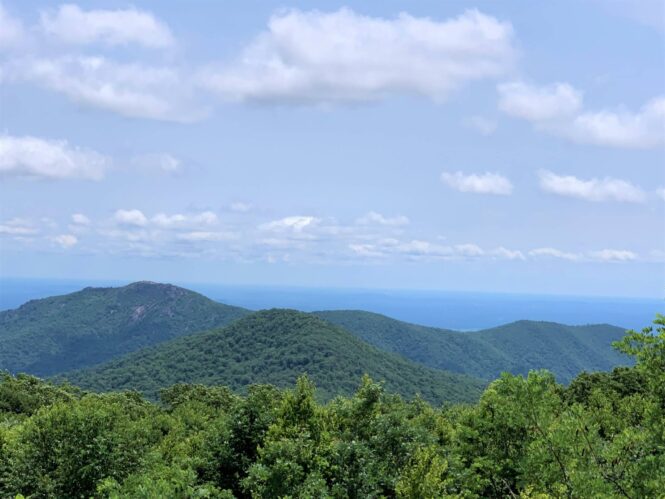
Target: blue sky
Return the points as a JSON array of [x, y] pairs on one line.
[[493, 146]]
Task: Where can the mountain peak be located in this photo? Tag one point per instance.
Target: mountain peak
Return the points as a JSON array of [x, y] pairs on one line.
[[95, 324]]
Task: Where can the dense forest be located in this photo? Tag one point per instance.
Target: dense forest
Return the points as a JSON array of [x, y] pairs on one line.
[[603, 435], [517, 347], [275, 346]]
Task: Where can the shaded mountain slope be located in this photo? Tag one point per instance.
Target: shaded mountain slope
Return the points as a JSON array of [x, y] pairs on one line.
[[61, 333], [564, 350], [516, 347], [275, 346]]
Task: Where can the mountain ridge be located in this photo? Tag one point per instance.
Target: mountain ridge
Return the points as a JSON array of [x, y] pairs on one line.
[[563, 349], [98, 324], [274, 346]]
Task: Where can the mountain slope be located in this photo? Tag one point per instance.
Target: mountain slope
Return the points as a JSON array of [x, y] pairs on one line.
[[564, 350], [517, 347], [433, 347], [275, 346], [61, 333]]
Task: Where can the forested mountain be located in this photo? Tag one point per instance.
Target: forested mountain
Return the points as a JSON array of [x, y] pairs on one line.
[[93, 325], [517, 347], [275, 346], [83, 329]]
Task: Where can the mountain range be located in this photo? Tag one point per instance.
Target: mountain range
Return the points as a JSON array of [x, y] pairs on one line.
[[147, 336]]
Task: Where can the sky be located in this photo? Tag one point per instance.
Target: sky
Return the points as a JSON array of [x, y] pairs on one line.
[[491, 146]]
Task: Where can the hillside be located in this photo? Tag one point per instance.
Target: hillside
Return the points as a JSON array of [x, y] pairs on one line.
[[275, 346], [564, 350], [60, 333], [516, 347]]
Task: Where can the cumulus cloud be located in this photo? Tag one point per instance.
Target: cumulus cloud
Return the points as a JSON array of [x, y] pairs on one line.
[[606, 189], [71, 24], [642, 129], [49, 159], [484, 183], [66, 240], [554, 253], [179, 220], [129, 89], [558, 109], [342, 56], [134, 218], [612, 255], [291, 224], [164, 221], [508, 254], [605, 255], [12, 33], [376, 218], [533, 103]]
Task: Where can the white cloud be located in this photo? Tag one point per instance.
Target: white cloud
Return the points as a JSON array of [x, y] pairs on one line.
[[292, 224], [422, 250], [162, 162], [66, 240], [605, 255], [134, 218], [558, 109], [179, 220], [661, 193], [482, 125], [376, 218], [485, 183], [607, 189], [18, 227], [197, 236], [366, 250], [129, 89], [532, 103], [52, 159], [342, 56], [612, 255], [643, 129], [70, 24], [80, 219], [554, 253], [508, 254], [469, 250], [12, 33]]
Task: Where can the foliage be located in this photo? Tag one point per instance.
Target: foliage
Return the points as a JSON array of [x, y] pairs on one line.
[[516, 348], [275, 346], [57, 334]]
